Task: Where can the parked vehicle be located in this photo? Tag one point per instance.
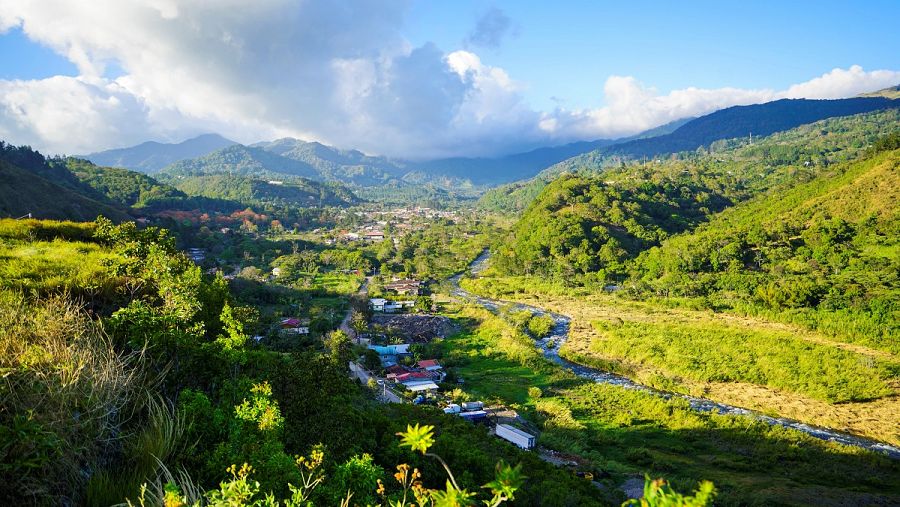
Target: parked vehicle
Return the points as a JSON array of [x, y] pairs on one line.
[[452, 408], [516, 436], [469, 406], [474, 416]]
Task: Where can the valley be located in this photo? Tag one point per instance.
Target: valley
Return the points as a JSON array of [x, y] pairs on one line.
[[686, 304]]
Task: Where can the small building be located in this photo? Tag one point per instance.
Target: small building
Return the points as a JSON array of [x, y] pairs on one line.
[[392, 306], [377, 304], [413, 377], [276, 272], [515, 435], [294, 325], [391, 350], [406, 286], [429, 365], [375, 236], [419, 387]]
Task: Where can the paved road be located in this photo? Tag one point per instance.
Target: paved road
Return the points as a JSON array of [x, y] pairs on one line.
[[385, 395]]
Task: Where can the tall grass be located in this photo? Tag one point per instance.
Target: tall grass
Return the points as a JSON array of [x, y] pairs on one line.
[[716, 352], [64, 395]]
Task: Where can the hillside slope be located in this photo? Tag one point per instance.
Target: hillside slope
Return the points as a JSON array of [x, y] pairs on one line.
[[122, 186], [23, 192], [752, 167], [742, 121], [302, 192]]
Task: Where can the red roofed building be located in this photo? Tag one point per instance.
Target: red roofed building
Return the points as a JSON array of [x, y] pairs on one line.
[[429, 365]]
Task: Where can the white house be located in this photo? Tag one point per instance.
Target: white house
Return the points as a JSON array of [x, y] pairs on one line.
[[392, 306], [378, 304]]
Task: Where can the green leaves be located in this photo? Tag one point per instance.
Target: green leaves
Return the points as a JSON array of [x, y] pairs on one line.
[[658, 493], [507, 480], [417, 438]]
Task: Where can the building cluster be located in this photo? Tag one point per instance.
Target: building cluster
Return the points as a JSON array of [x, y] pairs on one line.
[[295, 326], [401, 220], [423, 379]]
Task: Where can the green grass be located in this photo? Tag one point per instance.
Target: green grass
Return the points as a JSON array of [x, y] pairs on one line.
[[715, 352], [339, 283], [628, 432], [51, 265]]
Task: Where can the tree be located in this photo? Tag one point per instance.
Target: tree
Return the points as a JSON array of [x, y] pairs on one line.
[[338, 345]]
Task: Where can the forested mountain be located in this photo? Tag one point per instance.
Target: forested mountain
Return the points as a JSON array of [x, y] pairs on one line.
[[580, 225], [892, 92], [393, 178], [23, 192], [126, 188], [243, 161], [336, 164], [47, 189], [301, 191], [586, 223], [817, 143], [742, 121], [831, 243], [152, 156]]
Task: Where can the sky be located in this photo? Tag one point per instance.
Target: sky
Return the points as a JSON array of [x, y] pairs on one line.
[[416, 78]]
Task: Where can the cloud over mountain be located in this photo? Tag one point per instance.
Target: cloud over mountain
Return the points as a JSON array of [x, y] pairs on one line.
[[337, 71]]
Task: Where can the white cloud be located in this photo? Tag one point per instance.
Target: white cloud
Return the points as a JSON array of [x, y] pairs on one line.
[[335, 71], [843, 83]]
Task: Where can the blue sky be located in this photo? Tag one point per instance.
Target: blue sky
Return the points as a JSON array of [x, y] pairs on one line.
[[417, 78], [567, 49]]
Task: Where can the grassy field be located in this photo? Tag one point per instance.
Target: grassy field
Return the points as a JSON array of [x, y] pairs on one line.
[[50, 265], [626, 432], [749, 361]]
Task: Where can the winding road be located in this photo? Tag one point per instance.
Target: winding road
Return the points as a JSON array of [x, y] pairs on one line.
[[550, 348]]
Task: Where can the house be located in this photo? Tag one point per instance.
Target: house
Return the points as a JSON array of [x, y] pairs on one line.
[[413, 376], [406, 286], [294, 325], [391, 350], [377, 304], [392, 306], [429, 365], [374, 236], [422, 386]]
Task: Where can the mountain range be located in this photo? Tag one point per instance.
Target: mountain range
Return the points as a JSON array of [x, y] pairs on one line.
[[151, 156], [289, 158]]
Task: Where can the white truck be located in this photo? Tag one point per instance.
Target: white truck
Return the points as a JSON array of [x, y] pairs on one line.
[[516, 436], [452, 408]]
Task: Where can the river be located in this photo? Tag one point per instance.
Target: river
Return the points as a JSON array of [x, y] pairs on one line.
[[550, 345]]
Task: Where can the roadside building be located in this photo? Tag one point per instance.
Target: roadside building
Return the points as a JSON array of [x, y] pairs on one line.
[[293, 325]]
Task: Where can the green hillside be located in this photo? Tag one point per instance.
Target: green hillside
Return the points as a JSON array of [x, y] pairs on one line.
[[23, 192], [300, 191], [825, 250], [124, 187], [242, 161], [747, 167]]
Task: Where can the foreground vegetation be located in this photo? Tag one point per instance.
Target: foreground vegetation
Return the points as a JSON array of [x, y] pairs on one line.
[[152, 390]]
